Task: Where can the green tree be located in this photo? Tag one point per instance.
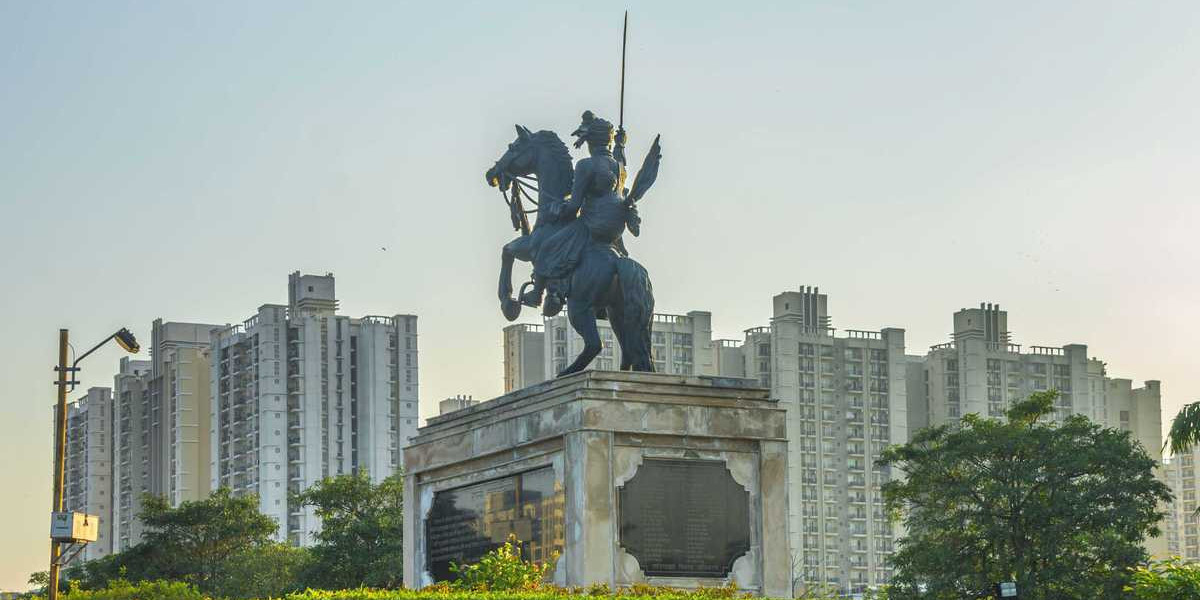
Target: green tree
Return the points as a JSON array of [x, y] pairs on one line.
[[222, 545], [1060, 508], [1185, 429], [361, 540], [40, 580], [195, 541], [1166, 580], [266, 571]]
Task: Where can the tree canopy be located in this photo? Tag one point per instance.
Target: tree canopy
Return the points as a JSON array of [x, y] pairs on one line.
[[222, 544], [225, 547], [1061, 508], [1185, 429], [193, 541], [361, 540]]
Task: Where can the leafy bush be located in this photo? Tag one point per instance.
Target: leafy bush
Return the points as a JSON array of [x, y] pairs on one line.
[[120, 589], [1170, 579], [501, 569]]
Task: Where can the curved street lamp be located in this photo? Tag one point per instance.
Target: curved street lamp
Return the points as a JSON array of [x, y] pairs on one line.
[[124, 339]]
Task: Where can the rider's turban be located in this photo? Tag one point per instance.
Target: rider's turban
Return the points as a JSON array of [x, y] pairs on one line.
[[593, 130]]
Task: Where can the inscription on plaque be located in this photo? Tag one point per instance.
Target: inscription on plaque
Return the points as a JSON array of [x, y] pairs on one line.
[[684, 518], [467, 522]]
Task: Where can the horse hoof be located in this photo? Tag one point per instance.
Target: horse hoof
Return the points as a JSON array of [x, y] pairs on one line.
[[552, 306], [511, 309]]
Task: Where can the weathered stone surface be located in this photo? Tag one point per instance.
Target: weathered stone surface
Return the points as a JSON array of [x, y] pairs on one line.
[[777, 580], [596, 429]]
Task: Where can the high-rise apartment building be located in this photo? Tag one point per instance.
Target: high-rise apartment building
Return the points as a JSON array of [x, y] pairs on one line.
[[729, 358], [180, 390], [524, 355], [89, 471], [845, 398], [131, 450], [1181, 528], [982, 371], [301, 393], [1136, 410], [162, 418], [757, 362]]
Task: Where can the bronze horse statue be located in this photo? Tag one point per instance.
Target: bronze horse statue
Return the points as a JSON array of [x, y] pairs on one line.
[[598, 281]]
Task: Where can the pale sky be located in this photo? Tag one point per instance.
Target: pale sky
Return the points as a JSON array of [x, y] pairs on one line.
[[911, 159]]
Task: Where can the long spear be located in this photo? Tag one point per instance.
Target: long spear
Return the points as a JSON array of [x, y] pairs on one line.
[[624, 39]]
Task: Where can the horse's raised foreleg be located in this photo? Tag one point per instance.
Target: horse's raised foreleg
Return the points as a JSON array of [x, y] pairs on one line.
[[583, 319], [516, 249]]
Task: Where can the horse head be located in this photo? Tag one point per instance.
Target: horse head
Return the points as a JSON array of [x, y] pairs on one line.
[[519, 160]]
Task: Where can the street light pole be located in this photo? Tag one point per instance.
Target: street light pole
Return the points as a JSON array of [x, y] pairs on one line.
[[66, 382], [60, 458]]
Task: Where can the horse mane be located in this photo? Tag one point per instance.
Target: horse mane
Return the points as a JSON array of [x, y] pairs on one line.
[[558, 156]]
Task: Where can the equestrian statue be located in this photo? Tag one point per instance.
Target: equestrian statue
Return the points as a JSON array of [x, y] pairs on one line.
[[575, 244]]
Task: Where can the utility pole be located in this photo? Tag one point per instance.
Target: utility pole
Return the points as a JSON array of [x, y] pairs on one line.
[[60, 457], [71, 531]]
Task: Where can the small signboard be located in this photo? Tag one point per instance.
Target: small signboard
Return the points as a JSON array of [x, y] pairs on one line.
[[74, 527], [1007, 589]]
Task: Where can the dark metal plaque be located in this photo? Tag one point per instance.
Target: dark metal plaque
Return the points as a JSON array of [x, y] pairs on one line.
[[467, 522], [684, 518]]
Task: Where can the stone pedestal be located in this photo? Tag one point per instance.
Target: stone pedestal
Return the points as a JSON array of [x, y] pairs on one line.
[[617, 477]]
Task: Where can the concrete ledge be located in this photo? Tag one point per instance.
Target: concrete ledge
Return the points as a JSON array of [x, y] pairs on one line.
[[615, 401]]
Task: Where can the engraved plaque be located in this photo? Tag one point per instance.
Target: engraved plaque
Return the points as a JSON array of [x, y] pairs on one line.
[[684, 518], [467, 522]]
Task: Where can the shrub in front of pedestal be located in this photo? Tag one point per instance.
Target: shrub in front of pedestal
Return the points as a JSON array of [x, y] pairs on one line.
[[501, 569], [1170, 579]]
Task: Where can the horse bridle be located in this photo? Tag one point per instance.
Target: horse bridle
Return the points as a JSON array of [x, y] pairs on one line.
[[517, 211], [518, 190]]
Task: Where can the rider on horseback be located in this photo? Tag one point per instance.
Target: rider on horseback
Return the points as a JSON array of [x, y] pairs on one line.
[[601, 209]]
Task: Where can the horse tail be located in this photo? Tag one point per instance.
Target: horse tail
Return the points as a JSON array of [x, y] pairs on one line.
[[637, 299]]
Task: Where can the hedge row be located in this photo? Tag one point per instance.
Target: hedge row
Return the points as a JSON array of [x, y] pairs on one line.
[[164, 590], [641, 592]]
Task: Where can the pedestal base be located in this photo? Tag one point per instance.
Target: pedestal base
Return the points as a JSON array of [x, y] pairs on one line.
[[615, 477]]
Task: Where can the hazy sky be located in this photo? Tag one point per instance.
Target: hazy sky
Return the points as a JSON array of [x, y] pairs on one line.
[[910, 159]]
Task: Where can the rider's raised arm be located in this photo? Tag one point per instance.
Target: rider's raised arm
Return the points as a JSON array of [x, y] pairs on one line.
[[619, 148]]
